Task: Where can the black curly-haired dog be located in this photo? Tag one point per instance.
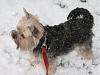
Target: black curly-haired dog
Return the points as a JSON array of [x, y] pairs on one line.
[[60, 39]]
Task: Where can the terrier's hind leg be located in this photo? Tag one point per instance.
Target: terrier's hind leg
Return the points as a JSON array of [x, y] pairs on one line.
[[52, 68], [85, 50]]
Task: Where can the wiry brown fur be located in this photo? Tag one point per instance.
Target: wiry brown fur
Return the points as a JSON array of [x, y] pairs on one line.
[[85, 51], [29, 32]]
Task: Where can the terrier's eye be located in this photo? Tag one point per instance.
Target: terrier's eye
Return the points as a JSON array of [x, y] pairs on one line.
[[22, 35], [18, 28], [31, 28]]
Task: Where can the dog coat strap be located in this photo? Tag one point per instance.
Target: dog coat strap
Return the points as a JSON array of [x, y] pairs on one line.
[[45, 58]]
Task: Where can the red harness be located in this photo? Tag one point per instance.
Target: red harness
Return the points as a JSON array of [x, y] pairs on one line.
[[45, 58]]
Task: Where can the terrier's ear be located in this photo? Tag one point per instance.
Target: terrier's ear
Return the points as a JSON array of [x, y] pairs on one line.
[[28, 15]]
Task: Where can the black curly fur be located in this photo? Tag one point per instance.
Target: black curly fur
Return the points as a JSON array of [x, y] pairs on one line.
[[80, 12], [62, 38]]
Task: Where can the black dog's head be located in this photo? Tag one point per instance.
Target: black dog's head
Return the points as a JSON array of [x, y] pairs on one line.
[[80, 13]]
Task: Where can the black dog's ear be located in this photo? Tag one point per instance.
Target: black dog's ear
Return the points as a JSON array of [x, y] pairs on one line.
[[28, 15]]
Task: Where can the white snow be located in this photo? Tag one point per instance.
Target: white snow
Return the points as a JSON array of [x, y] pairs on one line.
[[49, 12]]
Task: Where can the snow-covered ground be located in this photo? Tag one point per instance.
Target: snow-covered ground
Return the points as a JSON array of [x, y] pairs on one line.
[[49, 12]]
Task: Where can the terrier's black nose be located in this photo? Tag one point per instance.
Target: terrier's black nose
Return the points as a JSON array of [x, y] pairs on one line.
[[14, 34]]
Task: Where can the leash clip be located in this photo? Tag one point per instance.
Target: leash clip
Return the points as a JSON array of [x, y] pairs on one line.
[[44, 44]]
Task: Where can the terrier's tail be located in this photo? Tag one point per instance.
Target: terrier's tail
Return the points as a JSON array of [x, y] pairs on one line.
[[81, 13]]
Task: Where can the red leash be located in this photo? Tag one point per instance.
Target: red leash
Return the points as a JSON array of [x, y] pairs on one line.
[[45, 58]]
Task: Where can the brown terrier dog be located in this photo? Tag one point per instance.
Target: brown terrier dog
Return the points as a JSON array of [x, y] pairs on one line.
[[60, 39], [29, 32]]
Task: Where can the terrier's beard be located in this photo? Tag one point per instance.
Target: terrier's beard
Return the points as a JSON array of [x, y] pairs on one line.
[[25, 43], [28, 43]]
